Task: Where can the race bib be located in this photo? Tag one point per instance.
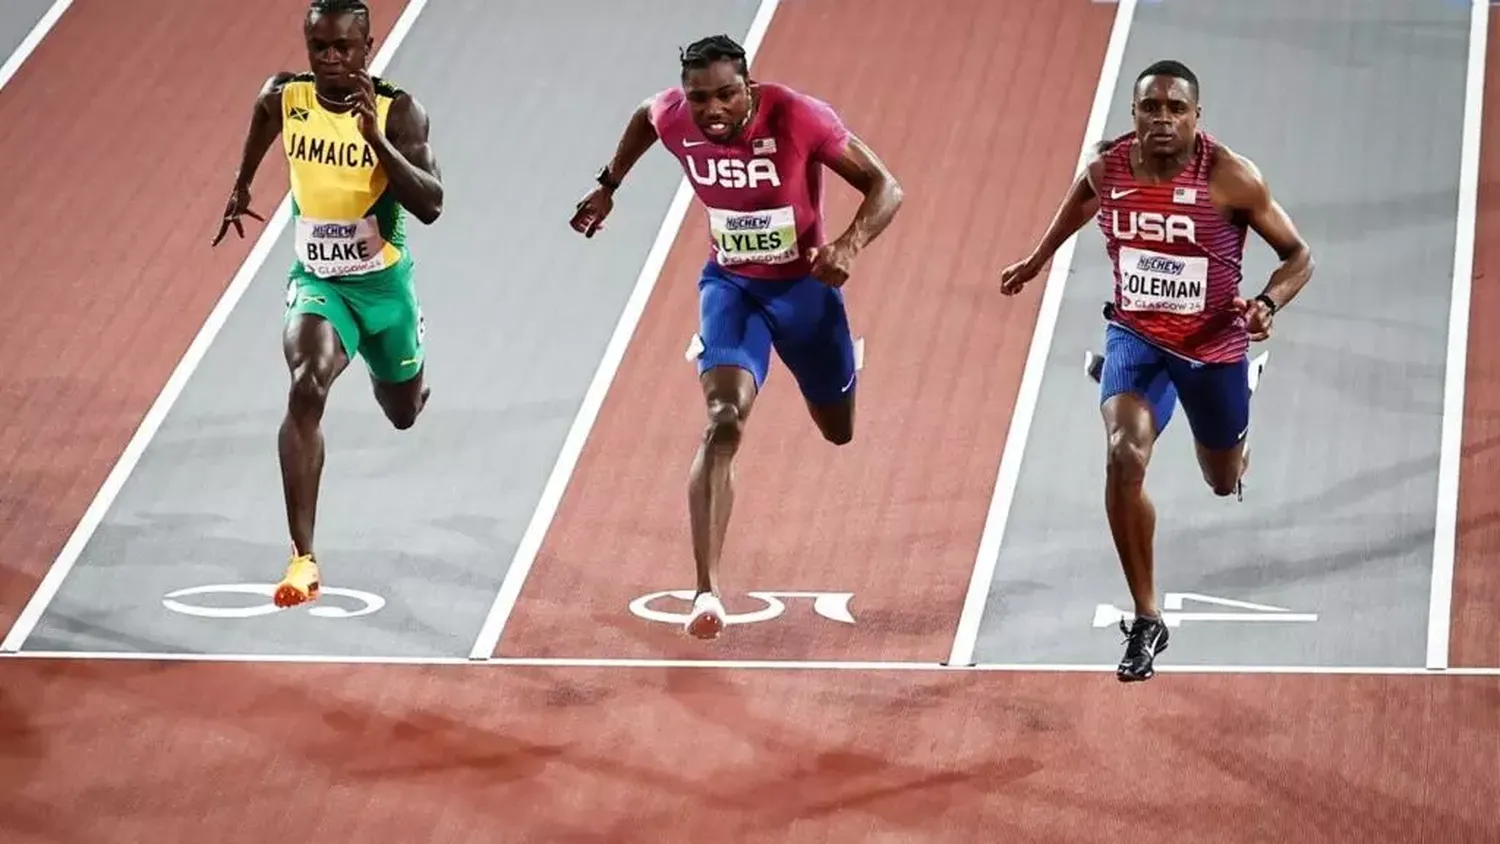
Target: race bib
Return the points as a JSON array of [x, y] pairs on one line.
[[761, 237], [1151, 281], [340, 247]]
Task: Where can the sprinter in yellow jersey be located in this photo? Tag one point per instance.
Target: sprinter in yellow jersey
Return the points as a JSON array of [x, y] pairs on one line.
[[359, 160]]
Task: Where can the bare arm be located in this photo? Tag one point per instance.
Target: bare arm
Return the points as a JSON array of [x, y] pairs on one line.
[[405, 151], [865, 172], [265, 125], [1078, 206], [1241, 187], [638, 137]]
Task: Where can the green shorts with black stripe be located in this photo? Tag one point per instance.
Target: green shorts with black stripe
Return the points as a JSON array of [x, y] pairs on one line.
[[377, 316]]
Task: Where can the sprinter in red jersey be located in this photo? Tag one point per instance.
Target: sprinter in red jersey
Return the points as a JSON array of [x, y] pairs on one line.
[[1174, 205], [756, 154]]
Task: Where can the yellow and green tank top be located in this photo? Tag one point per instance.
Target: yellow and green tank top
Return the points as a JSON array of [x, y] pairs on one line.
[[346, 223]]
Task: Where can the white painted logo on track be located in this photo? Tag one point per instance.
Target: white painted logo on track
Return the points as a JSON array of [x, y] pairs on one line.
[[368, 601], [833, 606], [1106, 615]]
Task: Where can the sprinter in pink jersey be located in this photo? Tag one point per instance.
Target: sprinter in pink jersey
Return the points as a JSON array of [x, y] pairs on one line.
[[754, 153], [1174, 206]]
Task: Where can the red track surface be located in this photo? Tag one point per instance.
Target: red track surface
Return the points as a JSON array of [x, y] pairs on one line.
[[107, 220], [1475, 636], [895, 516]]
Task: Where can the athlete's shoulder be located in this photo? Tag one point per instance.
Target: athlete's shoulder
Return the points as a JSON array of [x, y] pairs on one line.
[[280, 81], [271, 98], [1099, 153], [1117, 145], [663, 106], [799, 105], [1234, 177], [1225, 161], [812, 123]]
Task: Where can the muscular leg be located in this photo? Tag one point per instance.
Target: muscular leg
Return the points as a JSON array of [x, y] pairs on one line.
[[1131, 431], [1138, 398], [1216, 401], [393, 347], [835, 421], [315, 357], [812, 337], [729, 394], [1223, 468], [735, 357]]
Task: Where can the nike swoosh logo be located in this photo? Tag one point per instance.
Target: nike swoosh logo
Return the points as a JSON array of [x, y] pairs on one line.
[[1116, 194], [694, 143]]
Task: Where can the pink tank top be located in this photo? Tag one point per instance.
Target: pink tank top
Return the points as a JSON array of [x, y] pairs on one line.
[[763, 192]]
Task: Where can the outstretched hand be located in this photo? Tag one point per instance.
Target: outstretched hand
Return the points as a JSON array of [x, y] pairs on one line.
[[239, 204], [1257, 317]]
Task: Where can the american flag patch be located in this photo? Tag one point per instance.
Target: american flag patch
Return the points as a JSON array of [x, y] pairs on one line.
[[763, 146], [1185, 196]]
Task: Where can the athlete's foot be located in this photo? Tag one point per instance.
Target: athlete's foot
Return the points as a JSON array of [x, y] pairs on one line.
[[301, 582], [1093, 366], [1144, 639], [707, 621]]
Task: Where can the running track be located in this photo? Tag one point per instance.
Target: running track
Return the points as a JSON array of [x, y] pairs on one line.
[[505, 690]]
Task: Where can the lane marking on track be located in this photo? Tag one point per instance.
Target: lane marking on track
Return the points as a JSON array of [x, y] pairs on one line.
[[745, 664], [588, 412], [33, 38], [169, 394], [1445, 534], [1030, 391]]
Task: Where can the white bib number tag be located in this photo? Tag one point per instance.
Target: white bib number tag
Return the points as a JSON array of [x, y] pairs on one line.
[[340, 247], [1151, 281], [762, 237]]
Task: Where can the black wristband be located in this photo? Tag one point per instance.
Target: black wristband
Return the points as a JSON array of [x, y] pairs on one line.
[[602, 177], [1267, 301]]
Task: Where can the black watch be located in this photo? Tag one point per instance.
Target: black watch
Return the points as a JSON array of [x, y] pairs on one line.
[[1268, 302], [603, 178]]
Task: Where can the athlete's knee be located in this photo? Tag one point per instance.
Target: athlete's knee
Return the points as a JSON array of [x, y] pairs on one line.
[[839, 434], [402, 415], [1222, 472], [835, 423], [403, 403], [726, 424], [1223, 486], [1127, 458], [311, 381]]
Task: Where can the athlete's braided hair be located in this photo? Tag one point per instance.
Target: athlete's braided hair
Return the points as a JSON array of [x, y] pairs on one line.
[[357, 8], [1174, 68], [715, 48]]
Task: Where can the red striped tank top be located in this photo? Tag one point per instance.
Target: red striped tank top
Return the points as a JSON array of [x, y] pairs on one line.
[[1176, 258]]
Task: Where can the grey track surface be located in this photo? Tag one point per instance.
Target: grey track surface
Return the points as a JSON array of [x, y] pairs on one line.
[[526, 101], [1339, 504], [17, 17]]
